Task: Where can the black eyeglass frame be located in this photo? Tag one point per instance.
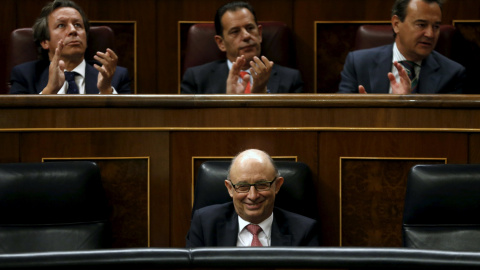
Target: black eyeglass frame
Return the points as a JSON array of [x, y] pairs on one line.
[[235, 186]]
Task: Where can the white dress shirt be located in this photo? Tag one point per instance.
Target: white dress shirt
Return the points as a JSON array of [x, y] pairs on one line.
[[245, 238], [79, 80], [397, 56]]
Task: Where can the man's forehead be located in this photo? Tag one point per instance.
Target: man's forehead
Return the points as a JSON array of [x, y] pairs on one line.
[[237, 18], [65, 13], [252, 168], [420, 10]]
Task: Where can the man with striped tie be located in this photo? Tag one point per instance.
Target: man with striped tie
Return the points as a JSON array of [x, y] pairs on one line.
[[409, 65]]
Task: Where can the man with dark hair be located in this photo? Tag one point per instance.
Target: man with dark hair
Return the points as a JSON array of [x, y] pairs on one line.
[[60, 33], [251, 219], [245, 70], [410, 65]]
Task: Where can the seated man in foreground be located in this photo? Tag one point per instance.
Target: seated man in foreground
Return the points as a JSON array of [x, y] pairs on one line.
[[251, 219], [61, 32], [245, 70]]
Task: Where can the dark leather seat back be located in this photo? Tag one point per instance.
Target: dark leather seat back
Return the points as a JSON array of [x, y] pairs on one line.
[[442, 206], [22, 48], [53, 206], [371, 35], [201, 47], [296, 195]]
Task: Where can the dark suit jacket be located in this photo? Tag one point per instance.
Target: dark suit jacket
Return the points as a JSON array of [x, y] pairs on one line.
[[32, 77], [369, 67], [211, 78], [217, 225]]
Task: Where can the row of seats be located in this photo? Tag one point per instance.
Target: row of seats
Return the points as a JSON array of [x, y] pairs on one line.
[[245, 258], [58, 206], [201, 48]]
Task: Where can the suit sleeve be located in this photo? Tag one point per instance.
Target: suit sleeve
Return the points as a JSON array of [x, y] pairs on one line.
[[298, 83], [195, 235], [459, 84], [349, 81], [19, 84], [312, 239], [188, 85], [122, 83]]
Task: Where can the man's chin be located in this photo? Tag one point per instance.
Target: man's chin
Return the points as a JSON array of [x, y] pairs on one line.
[[74, 53], [423, 52], [249, 55]]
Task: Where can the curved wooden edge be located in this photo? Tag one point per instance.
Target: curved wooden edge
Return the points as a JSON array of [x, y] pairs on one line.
[[223, 101]]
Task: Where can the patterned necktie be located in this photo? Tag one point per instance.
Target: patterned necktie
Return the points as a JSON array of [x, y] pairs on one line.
[[72, 85], [410, 68], [247, 88], [255, 229]]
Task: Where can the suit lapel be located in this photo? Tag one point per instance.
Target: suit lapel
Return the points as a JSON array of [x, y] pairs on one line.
[[42, 83], [91, 75], [227, 232], [378, 74], [279, 238], [217, 78], [428, 82]]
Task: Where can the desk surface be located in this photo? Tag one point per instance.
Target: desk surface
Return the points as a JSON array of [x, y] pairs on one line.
[[302, 111]]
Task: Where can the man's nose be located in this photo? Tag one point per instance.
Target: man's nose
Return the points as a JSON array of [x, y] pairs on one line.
[[245, 34], [430, 31], [71, 29], [252, 193]]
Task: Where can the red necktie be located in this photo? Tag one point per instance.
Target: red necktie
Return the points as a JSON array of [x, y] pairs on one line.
[[255, 229], [247, 88]]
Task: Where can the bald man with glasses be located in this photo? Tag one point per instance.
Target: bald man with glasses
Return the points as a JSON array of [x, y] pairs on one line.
[[251, 219]]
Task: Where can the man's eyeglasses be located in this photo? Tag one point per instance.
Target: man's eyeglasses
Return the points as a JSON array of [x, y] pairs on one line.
[[259, 186]]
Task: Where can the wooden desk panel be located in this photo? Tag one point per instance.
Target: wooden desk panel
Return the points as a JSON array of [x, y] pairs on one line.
[[362, 137]]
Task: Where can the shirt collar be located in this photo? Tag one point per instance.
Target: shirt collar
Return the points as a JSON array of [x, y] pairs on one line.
[[229, 63], [266, 225], [398, 56], [80, 69]]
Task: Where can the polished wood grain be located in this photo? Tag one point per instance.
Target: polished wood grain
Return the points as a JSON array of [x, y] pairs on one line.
[[372, 192], [362, 146], [474, 150], [302, 112], [7, 13], [134, 165], [9, 143]]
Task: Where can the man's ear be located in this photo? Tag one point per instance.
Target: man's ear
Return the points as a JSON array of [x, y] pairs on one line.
[[45, 44], [395, 22], [220, 43], [229, 188], [260, 29], [278, 184]]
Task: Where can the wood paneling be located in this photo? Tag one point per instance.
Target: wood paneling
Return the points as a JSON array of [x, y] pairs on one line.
[[378, 145], [372, 192], [474, 149], [10, 145], [8, 15], [125, 157]]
